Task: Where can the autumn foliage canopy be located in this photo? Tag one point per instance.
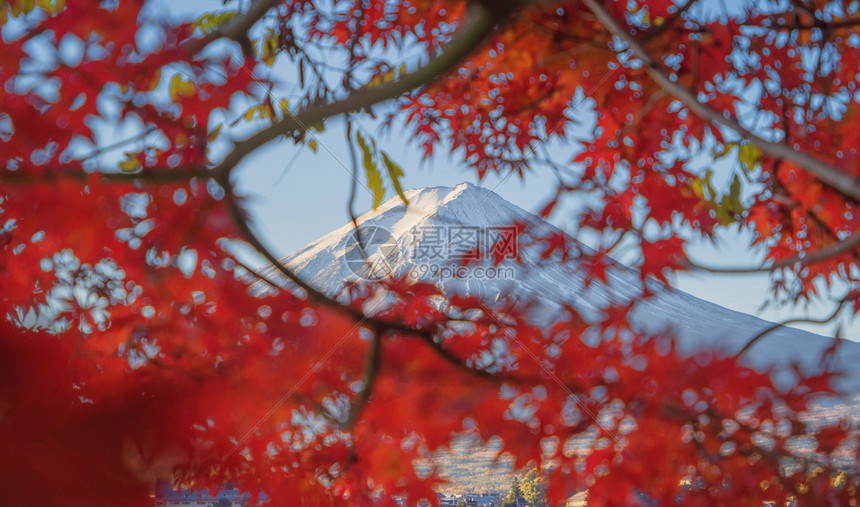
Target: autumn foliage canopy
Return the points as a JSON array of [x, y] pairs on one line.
[[131, 347]]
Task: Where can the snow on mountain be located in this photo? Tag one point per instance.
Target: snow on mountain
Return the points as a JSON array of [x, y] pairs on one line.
[[441, 223]]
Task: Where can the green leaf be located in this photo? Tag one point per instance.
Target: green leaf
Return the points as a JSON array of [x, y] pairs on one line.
[[732, 200], [724, 216], [728, 206], [748, 156], [395, 172], [374, 177], [708, 185], [210, 22], [724, 151], [703, 187]]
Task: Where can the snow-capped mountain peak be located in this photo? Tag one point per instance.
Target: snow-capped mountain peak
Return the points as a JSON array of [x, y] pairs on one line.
[[428, 237]]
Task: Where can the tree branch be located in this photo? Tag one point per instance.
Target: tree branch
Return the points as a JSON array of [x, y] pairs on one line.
[[778, 325], [352, 192], [813, 257], [377, 325], [237, 28], [371, 371], [480, 24], [669, 22], [253, 273], [833, 25], [154, 175], [827, 173]]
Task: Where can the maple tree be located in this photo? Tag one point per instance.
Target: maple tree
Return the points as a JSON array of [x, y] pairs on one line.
[[129, 348]]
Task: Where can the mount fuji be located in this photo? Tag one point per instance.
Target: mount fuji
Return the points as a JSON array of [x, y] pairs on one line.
[[418, 240]]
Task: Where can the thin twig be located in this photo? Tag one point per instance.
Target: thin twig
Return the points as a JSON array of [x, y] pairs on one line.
[[778, 325], [254, 273], [149, 175], [371, 371], [373, 323], [352, 191], [831, 175], [118, 144], [480, 24], [832, 25], [808, 258], [237, 28], [669, 22]]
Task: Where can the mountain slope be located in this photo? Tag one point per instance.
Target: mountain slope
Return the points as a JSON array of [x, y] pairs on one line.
[[418, 240]]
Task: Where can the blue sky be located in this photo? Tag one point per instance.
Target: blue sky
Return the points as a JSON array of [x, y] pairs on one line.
[[298, 198]]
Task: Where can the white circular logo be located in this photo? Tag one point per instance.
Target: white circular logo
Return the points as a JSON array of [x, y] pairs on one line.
[[374, 256]]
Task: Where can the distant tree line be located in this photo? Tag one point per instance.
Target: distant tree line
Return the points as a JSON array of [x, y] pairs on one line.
[[530, 492]]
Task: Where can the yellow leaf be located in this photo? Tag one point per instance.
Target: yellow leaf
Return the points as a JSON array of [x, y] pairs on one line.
[[131, 163], [52, 6], [262, 112], [697, 187], [156, 79], [726, 149], [374, 178], [214, 134], [211, 21], [175, 85], [395, 172], [269, 48], [180, 88], [312, 144]]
